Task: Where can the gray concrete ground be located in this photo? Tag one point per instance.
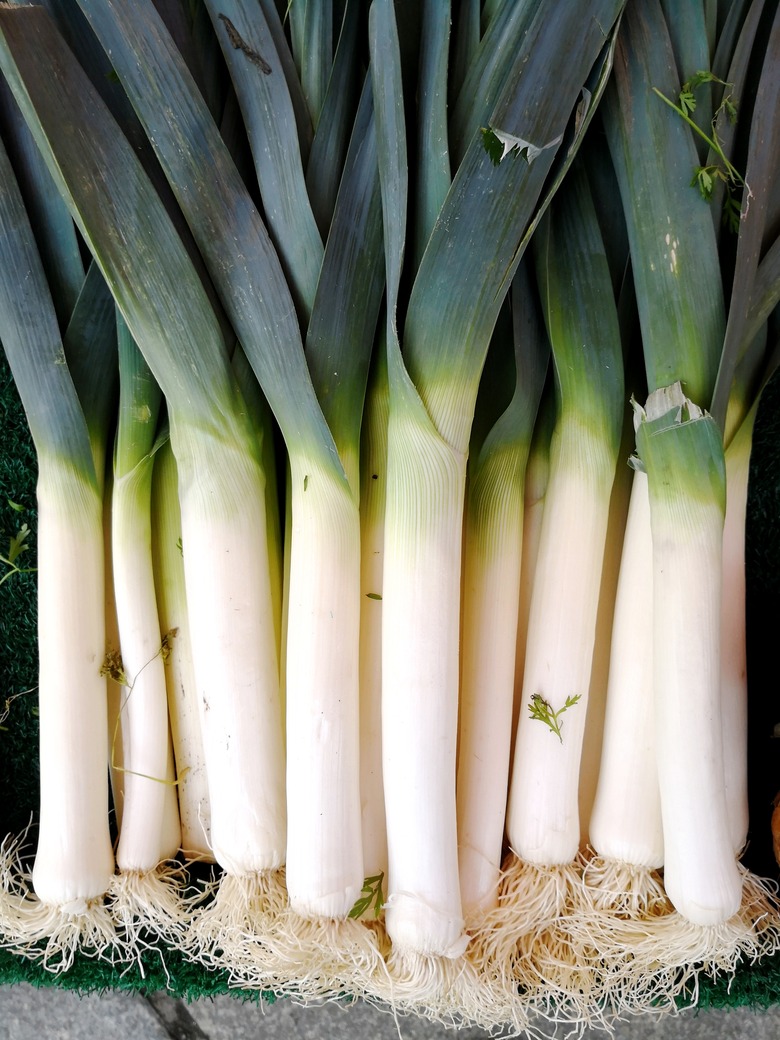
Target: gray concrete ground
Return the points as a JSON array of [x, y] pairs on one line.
[[52, 1014]]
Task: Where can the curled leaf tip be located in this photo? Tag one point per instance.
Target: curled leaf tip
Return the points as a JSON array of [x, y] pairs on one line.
[[672, 398], [499, 143]]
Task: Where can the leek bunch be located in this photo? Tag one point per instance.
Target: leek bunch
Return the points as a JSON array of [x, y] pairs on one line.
[[335, 330]]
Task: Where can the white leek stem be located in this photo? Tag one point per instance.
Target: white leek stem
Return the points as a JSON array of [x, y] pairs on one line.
[[234, 654], [702, 882], [171, 824], [683, 457], [189, 756], [146, 837], [324, 849], [74, 860], [421, 597], [625, 823], [543, 818]]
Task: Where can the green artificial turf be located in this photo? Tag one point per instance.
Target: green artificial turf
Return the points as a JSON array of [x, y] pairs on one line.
[[18, 665]]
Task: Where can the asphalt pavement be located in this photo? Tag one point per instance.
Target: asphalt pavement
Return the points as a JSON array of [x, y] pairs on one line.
[[50, 1013]]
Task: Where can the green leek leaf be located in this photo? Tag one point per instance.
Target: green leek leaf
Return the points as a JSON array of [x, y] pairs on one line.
[[248, 47], [329, 147], [31, 340], [673, 248]]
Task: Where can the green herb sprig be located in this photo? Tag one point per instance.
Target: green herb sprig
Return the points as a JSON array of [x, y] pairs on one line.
[[542, 711], [17, 544], [706, 176], [371, 895]]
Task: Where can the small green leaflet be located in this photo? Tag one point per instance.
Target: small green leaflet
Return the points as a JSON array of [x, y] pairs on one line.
[[542, 711], [704, 178], [17, 544], [371, 894], [688, 95]]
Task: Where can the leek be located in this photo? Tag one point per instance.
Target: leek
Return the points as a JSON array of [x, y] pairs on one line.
[[189, 756], [74, 860], [682, 453], [150, 830], [373, 492], [493, 543], [449, 321], [541, 877], [733, 648]]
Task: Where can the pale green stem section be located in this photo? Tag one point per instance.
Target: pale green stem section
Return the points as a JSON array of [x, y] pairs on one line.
[[150, 806], [285, 619], [324, 850], [599, 677], [537, 476], [733, 649], [543, 818], [112, 653], [262, 424], [493, 551], [625, 823], [167, 548], [373, 495], [74, 861], [145, 837], [423, 534]]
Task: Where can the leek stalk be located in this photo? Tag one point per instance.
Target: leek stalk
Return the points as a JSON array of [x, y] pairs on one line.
[[682, 453], [493, 546], [149, 829], [168, 562], [74, 860], [541, 876]]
